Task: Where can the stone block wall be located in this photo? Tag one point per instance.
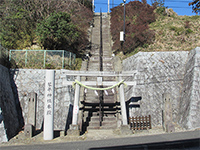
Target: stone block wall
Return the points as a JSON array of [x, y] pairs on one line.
[[157, 73], [9, 123], [175, 73], [190, 94], [3, 136], [33, 80]]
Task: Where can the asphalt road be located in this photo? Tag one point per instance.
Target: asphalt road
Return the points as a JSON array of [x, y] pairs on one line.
[[184, 140]]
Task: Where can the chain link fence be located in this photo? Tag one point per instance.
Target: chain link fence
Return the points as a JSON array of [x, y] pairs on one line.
[[40, 59]]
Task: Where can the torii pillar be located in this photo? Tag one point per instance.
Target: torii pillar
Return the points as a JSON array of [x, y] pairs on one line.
[[74, 128], [122, 103], [124, 126]]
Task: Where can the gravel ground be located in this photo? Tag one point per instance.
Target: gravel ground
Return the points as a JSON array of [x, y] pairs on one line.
[[20, 139]]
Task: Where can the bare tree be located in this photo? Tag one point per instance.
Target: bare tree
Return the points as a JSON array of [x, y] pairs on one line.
[[195, 6]]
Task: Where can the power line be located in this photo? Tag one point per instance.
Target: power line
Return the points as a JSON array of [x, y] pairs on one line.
[[179, 7], [189, 7], [116, 4], [179, 1], [169, 6]]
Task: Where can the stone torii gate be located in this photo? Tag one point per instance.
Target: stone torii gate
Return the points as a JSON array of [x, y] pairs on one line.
[[99, 82]]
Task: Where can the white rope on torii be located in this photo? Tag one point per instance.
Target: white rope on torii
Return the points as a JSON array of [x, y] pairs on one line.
[[98, 88]]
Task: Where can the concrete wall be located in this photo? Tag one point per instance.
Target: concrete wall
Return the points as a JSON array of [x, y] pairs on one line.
[[159, 73], [190, 94], [9, 123], [176, 73], [33, 80]]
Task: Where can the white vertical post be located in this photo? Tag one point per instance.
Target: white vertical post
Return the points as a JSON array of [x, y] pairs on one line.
[[26, 59], [108, 6], [76, 103], [122, 103], [49, 105], [45, 51], [121, 36], [93, 6]]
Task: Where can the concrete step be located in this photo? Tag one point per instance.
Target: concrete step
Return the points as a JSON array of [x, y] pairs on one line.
[[91, 104], [108, 92], [111, 104], [107, 122], [91, 96], [106, 119], [100, 133], [105, 125], [94, 116], [105, 106], [96, 113], [90, 100], [105, 110]]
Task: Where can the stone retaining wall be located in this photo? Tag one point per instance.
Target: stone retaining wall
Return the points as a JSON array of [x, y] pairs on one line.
[[9, 123], [190, 93], [176, 73], [33, 80], [159, 73]]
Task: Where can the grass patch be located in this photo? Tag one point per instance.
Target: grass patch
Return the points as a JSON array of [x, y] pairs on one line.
[[177, 30]]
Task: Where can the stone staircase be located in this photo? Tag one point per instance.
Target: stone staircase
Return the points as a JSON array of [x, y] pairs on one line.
[[108, 111]]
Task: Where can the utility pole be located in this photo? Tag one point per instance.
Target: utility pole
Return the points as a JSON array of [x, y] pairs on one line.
[[93, 6], [124, 18], [122, 33], [108, 6]]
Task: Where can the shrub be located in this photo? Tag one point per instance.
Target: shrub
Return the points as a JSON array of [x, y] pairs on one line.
[[160, 10], [195, 17], [19, 19], [187, 24], [58, 32], [16, 30], [188, 31], [178, 30]]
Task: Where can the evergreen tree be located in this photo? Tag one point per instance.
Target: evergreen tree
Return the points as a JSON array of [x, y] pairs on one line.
[[19, 19]]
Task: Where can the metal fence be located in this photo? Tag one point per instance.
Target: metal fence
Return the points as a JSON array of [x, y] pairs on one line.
[[140, 123], [52, 59]]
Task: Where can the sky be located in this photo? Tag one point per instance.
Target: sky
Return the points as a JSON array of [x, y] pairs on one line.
[[181, 7]]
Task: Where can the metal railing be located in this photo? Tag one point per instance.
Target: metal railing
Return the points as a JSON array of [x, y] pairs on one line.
[[52, 59], [101, 45], [101, 69]]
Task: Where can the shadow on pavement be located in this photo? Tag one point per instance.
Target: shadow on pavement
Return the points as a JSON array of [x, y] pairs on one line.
[[193, 144]]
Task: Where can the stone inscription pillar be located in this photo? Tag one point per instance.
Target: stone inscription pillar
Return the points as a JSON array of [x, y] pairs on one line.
[[29, 128], [49, 105], [168, 125], [32, 102]]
